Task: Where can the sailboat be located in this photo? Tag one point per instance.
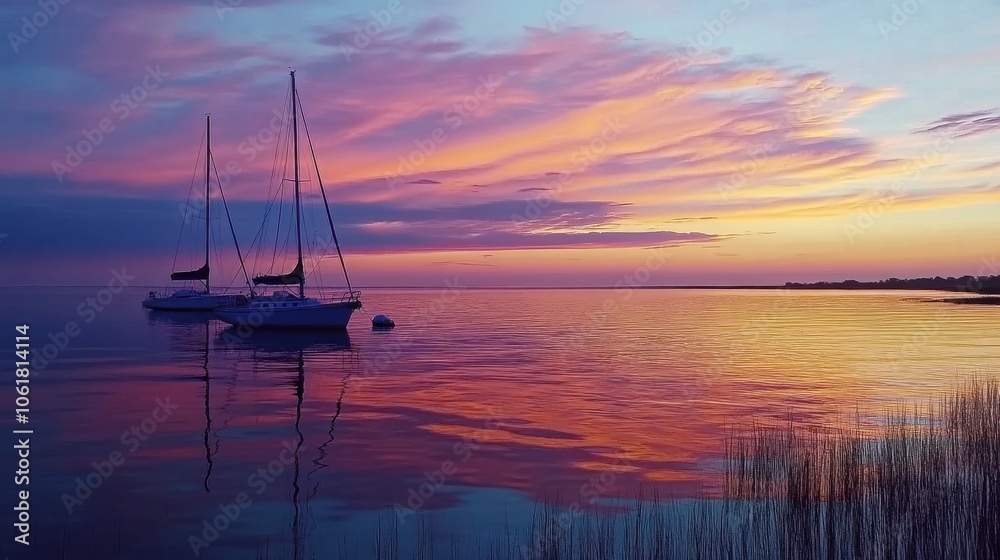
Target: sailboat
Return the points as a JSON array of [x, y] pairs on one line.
[[187, 299], [282, 309]]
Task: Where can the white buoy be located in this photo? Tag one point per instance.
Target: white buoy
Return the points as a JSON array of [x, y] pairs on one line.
[[382, 322]]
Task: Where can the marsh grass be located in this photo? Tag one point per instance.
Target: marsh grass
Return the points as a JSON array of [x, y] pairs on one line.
[[925, 483], [922, 483]]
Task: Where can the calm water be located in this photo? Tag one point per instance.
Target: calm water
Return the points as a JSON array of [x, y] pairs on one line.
[[477, 407]]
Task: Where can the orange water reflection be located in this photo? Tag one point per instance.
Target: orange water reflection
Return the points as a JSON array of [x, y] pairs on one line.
[[558, 395]]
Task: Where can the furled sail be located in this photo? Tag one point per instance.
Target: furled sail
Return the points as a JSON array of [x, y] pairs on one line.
[[292, 278], [200, 274]]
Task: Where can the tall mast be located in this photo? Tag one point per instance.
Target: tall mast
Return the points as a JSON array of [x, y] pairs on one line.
[[208, 192], [298, 222]]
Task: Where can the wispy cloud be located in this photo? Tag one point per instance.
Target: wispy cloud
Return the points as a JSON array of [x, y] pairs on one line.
[[961, 125]]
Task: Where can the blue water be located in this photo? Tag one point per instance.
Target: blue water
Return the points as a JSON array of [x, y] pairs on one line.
[[478, 408]]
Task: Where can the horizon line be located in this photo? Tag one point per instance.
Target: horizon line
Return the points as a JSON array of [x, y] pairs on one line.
[[796, 285]]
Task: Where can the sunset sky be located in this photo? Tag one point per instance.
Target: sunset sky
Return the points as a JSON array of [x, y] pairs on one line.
[[517, 142]]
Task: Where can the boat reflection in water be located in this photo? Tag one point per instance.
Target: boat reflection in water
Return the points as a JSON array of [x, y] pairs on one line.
[[184, 336], [285, 353], [234, 368], [157, 317], [275, 344]]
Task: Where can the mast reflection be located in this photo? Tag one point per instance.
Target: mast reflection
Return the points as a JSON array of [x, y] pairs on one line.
[[288, 352]]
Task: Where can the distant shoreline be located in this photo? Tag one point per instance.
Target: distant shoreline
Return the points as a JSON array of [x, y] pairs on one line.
[[978, 300]]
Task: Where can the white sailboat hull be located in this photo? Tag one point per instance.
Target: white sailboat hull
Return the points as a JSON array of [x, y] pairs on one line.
[[189, 302], [291, 313]]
